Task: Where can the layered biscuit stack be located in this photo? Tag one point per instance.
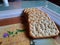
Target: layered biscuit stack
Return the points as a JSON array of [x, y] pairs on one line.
[[39, 24]]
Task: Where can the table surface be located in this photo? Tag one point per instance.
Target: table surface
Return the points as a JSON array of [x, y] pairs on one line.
[[28, 4]]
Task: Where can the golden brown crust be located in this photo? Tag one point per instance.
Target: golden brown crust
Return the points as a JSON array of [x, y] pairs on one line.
[[14, 39], [30, 14]]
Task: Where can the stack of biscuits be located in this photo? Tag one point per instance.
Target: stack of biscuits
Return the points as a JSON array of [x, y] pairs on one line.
[[39, 23]]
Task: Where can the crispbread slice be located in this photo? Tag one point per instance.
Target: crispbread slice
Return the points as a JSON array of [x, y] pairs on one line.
[[18, 38], [39, 24]]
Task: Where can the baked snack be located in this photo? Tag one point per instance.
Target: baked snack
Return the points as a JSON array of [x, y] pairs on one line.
[[39, 24], [18, 36]]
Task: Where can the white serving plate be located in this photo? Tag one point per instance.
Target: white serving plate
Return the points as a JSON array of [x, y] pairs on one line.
[[17, 12]]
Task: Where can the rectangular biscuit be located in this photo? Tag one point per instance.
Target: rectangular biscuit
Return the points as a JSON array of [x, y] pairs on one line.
[[39, 24]]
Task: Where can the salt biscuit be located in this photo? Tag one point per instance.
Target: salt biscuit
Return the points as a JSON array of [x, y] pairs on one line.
[[39, 23]]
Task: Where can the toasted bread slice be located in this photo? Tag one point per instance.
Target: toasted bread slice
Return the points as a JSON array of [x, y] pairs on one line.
[[39, 23], [14, 38]]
